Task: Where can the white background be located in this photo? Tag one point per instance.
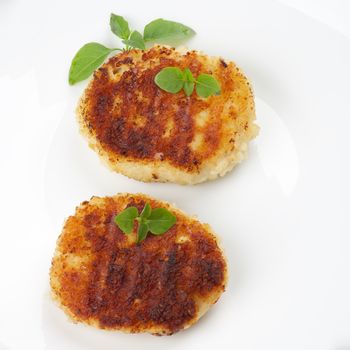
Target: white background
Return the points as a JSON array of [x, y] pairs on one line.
[[282, 215]]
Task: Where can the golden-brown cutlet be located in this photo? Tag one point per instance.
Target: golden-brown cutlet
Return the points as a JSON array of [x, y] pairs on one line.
[[148, 134], [102, 277]]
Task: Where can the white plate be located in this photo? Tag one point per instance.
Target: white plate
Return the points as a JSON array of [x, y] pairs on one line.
[[283, 214]]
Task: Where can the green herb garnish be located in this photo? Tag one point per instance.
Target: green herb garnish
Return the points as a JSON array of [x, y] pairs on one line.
[[119, 26], [86, 60], [173, 79], [135, 40], [125, 220], [163, 31], [92, 55], [157, 221]]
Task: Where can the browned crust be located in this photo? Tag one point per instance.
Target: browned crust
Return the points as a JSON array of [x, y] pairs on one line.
[[101, 277], [132, 120]]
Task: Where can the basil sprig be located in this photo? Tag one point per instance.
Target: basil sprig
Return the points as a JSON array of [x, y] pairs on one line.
[[92, 55], [173, 79], [157, 221]]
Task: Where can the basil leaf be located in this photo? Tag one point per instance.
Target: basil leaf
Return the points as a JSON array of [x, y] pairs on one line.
[[119, 26], [188, 88], [135, 40], [125, 220], [161, 30], [160, 221], [170, 79], [189, 82], [188, 75], [146, 211], [142, 232], [86, 60], [207, 85]]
